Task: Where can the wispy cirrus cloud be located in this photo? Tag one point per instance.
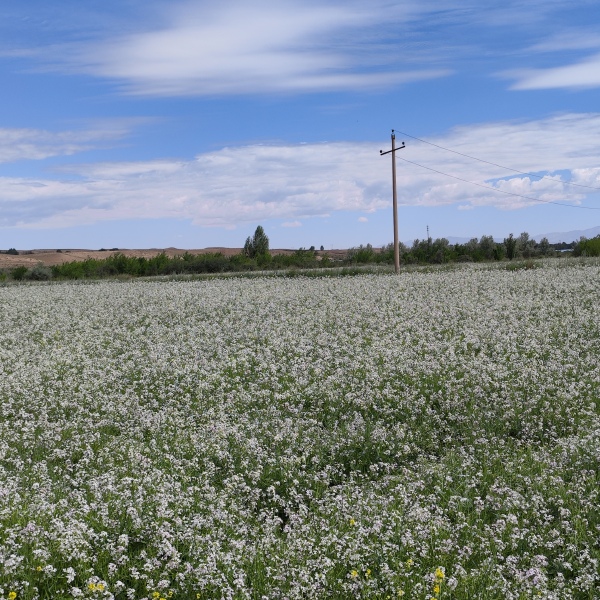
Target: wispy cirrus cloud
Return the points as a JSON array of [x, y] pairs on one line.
[[198, 48], [233, 47], [38, 144], [579, 75], [571, 59], [232, 186]]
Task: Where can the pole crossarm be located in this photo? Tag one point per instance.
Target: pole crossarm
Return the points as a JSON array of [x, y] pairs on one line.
[[382, 153]]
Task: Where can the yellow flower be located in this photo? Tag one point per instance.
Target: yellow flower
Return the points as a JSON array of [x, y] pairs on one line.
[[12, 595], [400, 593], [368, 573], [352, 522], [439, 573], [354, 573], [156, 594], [410, 562], [100, 587], [91, 586], [39, 568], [436, 588]]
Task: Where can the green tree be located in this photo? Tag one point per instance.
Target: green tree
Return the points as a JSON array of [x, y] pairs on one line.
[[525, 245], [544, 247], [258, 245], [585, 247], [511, 246], [487, 247], [362, 254]]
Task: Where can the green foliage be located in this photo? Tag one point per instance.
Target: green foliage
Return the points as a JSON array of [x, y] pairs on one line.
[[300, 259], [362, 254], [544, 247], [258, 245], [525, 246], [438, 251], [510, 244], [588, 247], [519, 265], [12, 251], [18, 273], [39, 273]]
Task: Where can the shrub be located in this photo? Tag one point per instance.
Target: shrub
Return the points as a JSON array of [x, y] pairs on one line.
[[18, 273], [588, 247], [362, 254], [39, 273]]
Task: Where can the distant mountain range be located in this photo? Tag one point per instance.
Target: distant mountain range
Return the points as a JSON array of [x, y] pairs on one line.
[[568, 236], [554, 238]]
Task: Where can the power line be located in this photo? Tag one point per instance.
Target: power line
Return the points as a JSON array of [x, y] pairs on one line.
[[488, 187], [487, 162]]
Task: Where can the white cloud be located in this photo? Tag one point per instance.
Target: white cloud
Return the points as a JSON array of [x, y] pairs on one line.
[[236, 47], [233, 186], [569, 39], [37, 144], [584, 74], [201, 48], [363, 220], [292, 224]]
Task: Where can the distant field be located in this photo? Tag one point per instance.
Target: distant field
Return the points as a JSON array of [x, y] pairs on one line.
[[48, 258], [433, 435]]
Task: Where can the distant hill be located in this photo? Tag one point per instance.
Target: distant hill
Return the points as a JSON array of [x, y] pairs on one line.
[[568, 236]]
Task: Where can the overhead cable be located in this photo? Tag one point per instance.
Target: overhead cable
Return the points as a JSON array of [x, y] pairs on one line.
[[487, 162], [489, 187]]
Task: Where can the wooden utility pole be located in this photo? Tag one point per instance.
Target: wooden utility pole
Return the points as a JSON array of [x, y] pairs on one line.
[[395, 200]]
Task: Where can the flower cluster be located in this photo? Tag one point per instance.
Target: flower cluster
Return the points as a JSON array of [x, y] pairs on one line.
[[429, 435]]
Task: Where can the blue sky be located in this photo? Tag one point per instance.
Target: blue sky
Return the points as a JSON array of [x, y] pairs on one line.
[[188, 123]]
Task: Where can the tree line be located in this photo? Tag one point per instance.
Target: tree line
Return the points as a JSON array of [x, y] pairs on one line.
[[256, 255], [440, 250]]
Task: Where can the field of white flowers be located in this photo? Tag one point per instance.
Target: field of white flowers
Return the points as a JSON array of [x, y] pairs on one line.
[[433, 435]]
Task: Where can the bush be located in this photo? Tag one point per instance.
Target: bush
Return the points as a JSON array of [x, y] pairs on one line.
[[362, 254], [39, 273], [588, 247], [18, 273], [70, 270]]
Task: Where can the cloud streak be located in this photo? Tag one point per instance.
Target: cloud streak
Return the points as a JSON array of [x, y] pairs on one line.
[[198, 48], [38, 144], [233, 186], [580, 75], [264, 47]]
